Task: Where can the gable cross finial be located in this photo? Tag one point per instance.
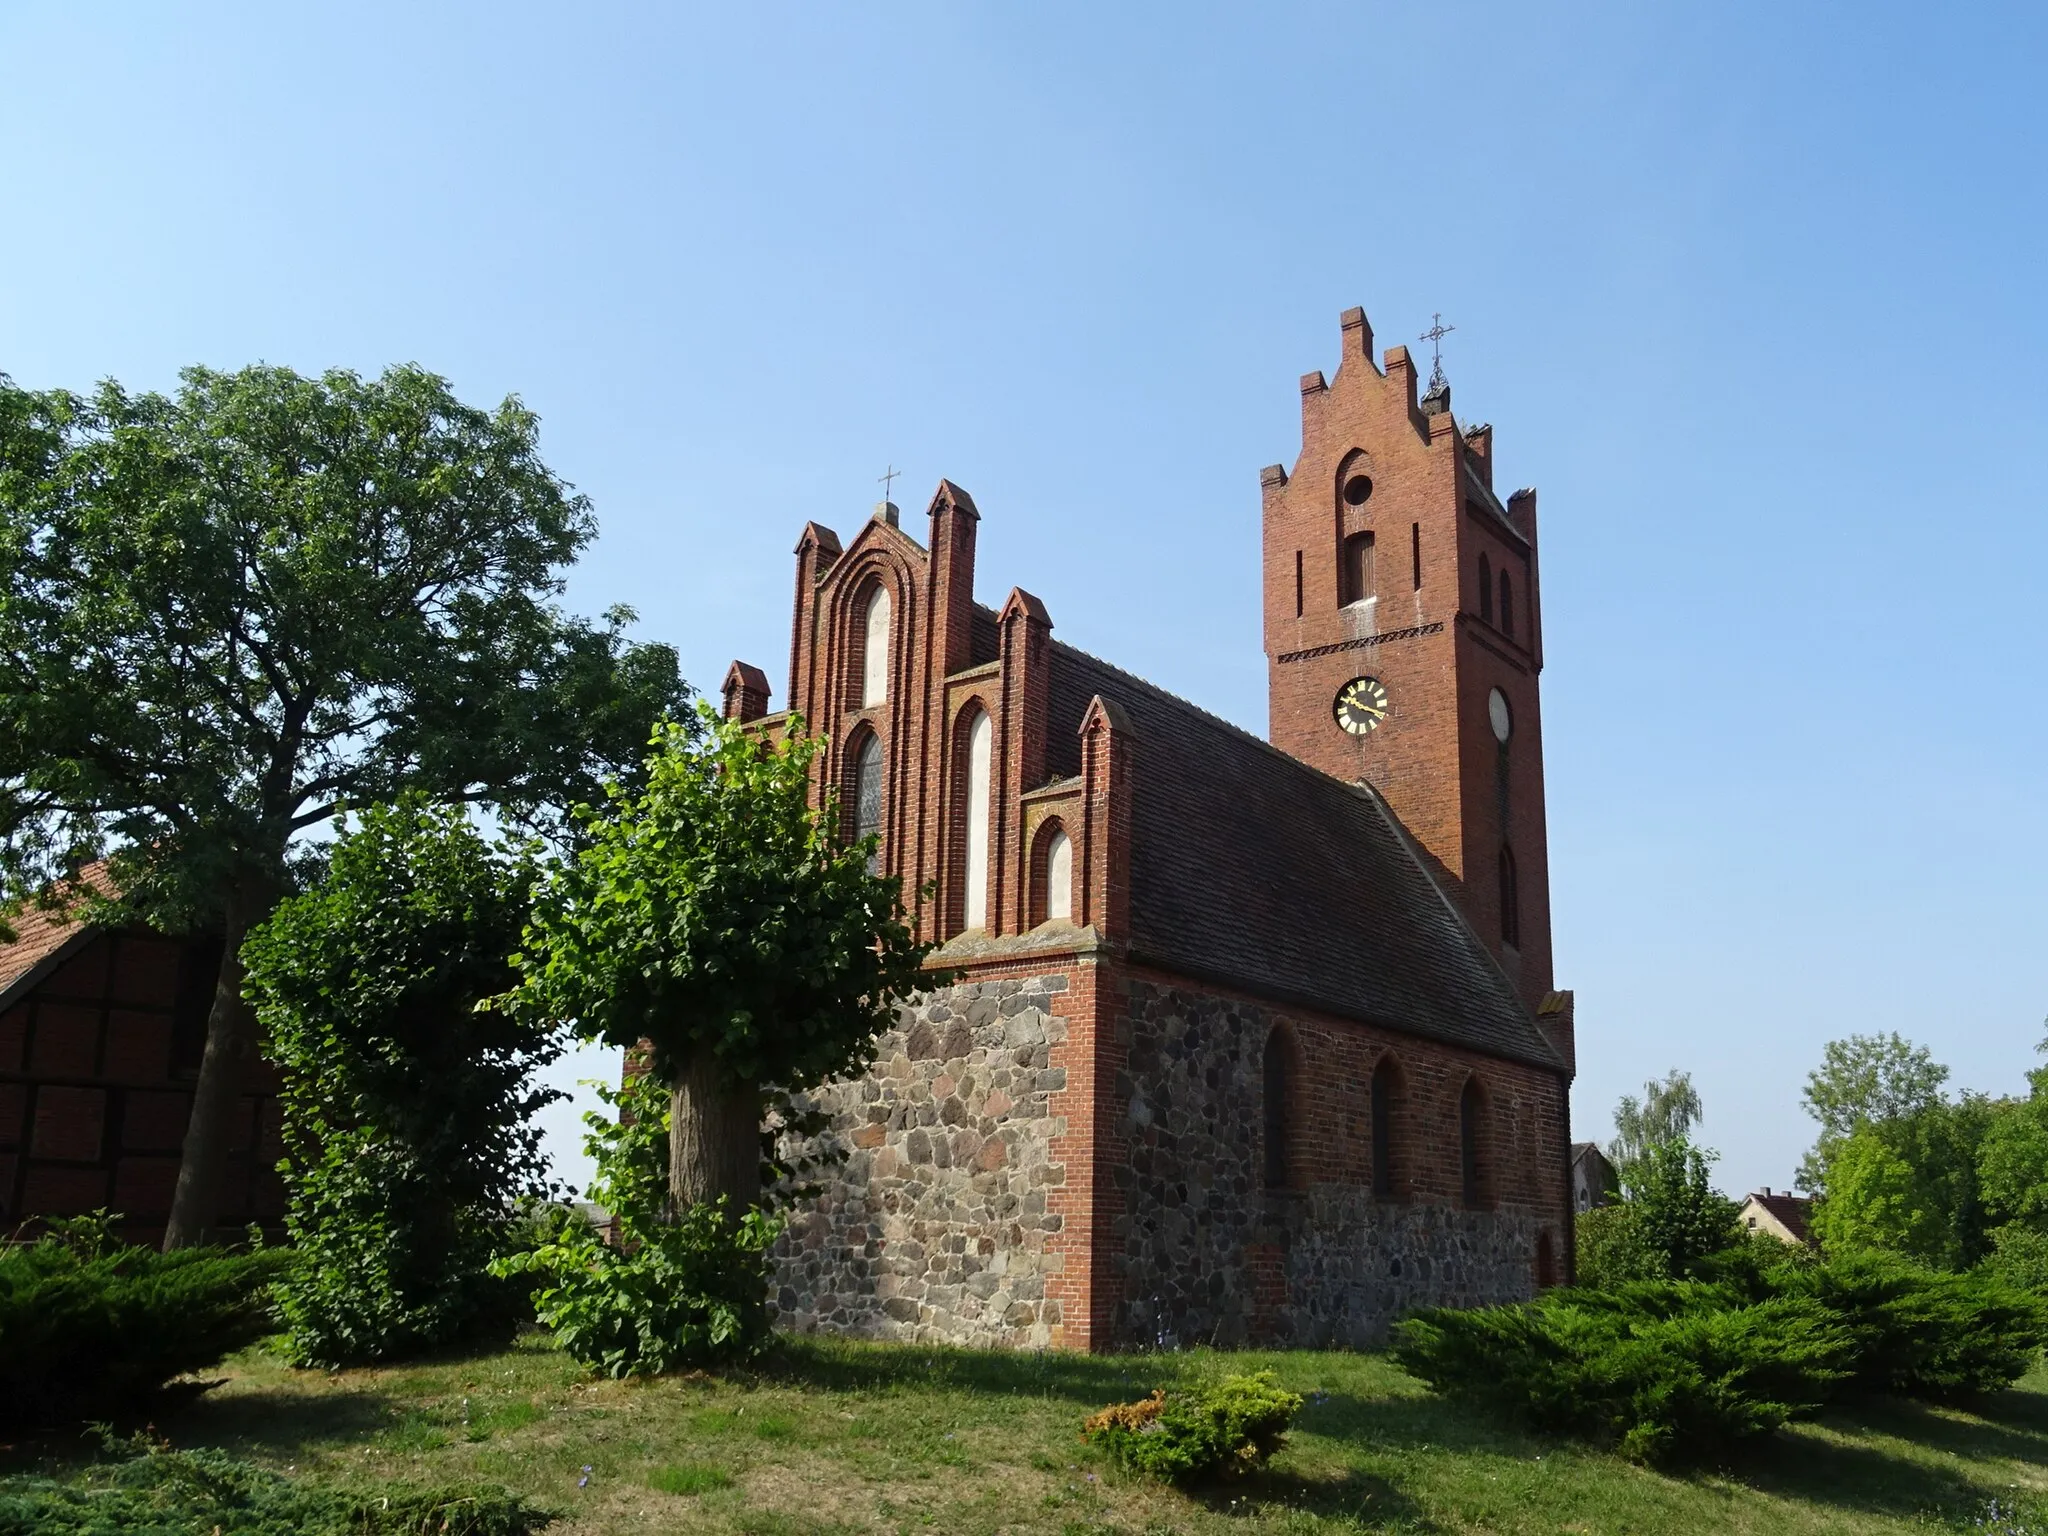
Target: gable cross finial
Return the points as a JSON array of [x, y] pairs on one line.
[[888, 482], [1435, 337]]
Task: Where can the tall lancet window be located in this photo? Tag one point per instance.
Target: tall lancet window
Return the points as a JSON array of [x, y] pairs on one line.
[[874, 674], [1059, 879], [867, 796], [974, 867]]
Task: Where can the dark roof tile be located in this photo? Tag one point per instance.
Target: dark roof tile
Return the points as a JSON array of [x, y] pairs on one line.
[[1250, 868]]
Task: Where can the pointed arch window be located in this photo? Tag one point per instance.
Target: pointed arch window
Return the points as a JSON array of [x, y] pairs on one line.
[[1358, 574], [1383, 1096], [874, 672], [1507, 605], [1485, 589], [1279, 1089], [1059, 878], [978, 743], [1471, 1106], [867, 795], [1510, 899]]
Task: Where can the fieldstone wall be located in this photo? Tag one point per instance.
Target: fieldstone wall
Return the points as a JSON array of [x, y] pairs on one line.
[[1211, 1256], [934, 1227]]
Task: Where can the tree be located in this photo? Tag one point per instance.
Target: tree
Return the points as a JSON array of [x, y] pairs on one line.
[[718, 918], [407, 1110], [1670, 1217], [1667, 1111], [1679, 1216], [1909, 1185], [2012, 1165], [1865, 1079], [229, 612]]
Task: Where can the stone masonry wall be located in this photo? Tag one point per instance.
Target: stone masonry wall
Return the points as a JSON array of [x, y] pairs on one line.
[[1210, 1255], [936, 1226]]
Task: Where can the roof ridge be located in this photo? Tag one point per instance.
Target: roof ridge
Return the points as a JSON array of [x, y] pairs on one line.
[[1210, 716]]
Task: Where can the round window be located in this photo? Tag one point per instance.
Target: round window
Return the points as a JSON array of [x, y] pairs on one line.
[[1356, 490]]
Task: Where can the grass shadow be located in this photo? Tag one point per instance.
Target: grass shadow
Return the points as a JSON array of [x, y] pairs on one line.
[[1355, 1496], [842, 1365], [2021, 1408], [1418, 1424], [1981, 1428], [280, 1423], [1864, 1478]]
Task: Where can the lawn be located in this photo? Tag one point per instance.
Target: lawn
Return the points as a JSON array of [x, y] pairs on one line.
[[831, 1437]]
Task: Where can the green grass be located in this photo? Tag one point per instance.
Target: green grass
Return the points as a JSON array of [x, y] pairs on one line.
[[831, 1436], [692, 1478]]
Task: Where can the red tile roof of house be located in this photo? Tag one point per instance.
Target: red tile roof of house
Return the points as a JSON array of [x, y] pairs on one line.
[[1794, 1211], [40, 932]]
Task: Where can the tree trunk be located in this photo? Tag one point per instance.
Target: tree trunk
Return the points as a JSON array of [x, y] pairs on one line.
[[223, 1069], [714, 1137]]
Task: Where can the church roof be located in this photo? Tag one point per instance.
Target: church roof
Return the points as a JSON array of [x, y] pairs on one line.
[[1251, 869]]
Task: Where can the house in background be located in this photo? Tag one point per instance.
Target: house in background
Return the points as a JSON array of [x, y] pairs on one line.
[[101, 1031], [1593, 1178], [1784, 1215]]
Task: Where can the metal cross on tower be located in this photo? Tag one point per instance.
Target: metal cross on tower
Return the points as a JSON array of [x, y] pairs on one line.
[[1435, 337], [888, 482]]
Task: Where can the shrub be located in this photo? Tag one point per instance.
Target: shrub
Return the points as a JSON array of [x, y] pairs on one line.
[[2019, 1257], [407, 1110], [1665, 1372], [665, 1292], [1690, 1370], [1197, 1434], [159, 1491], [1921, 1332], [1609, 1253], [90, 1328]]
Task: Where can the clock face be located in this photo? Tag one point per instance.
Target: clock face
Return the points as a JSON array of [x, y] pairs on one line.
[[1497, 715], [1361, 705]]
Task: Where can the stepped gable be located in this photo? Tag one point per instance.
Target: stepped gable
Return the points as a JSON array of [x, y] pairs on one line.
[[1251, 869]]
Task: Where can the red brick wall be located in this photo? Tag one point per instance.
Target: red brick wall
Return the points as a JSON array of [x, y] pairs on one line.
[[96, 1066]]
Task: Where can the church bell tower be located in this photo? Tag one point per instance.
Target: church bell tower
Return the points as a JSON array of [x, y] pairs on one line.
[[1404, 634]]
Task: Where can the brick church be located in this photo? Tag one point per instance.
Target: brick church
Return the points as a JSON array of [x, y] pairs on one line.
[[1255, 1040]]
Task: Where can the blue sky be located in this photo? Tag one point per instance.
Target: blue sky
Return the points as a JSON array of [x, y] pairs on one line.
[[1753, 294]]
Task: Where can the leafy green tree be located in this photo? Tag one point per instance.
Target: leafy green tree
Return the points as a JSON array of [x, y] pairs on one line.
[[1865, 1079], [1909, 1185], [2013, 1163], [1670, 1218], [1679, 1217], [662, 1290], [718, 918], [228, 612], [1667, 1111], [407, 1110]]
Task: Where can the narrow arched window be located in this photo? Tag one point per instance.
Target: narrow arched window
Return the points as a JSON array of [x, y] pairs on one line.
[[1510, 899], [1470, 1106], [1278, 1090], [1383, 1130], [1486, 589], [1546, 1262], [1358, 573], [867, 796], [1059, 878], [980, 742], [1507, 605], [874, 673]]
